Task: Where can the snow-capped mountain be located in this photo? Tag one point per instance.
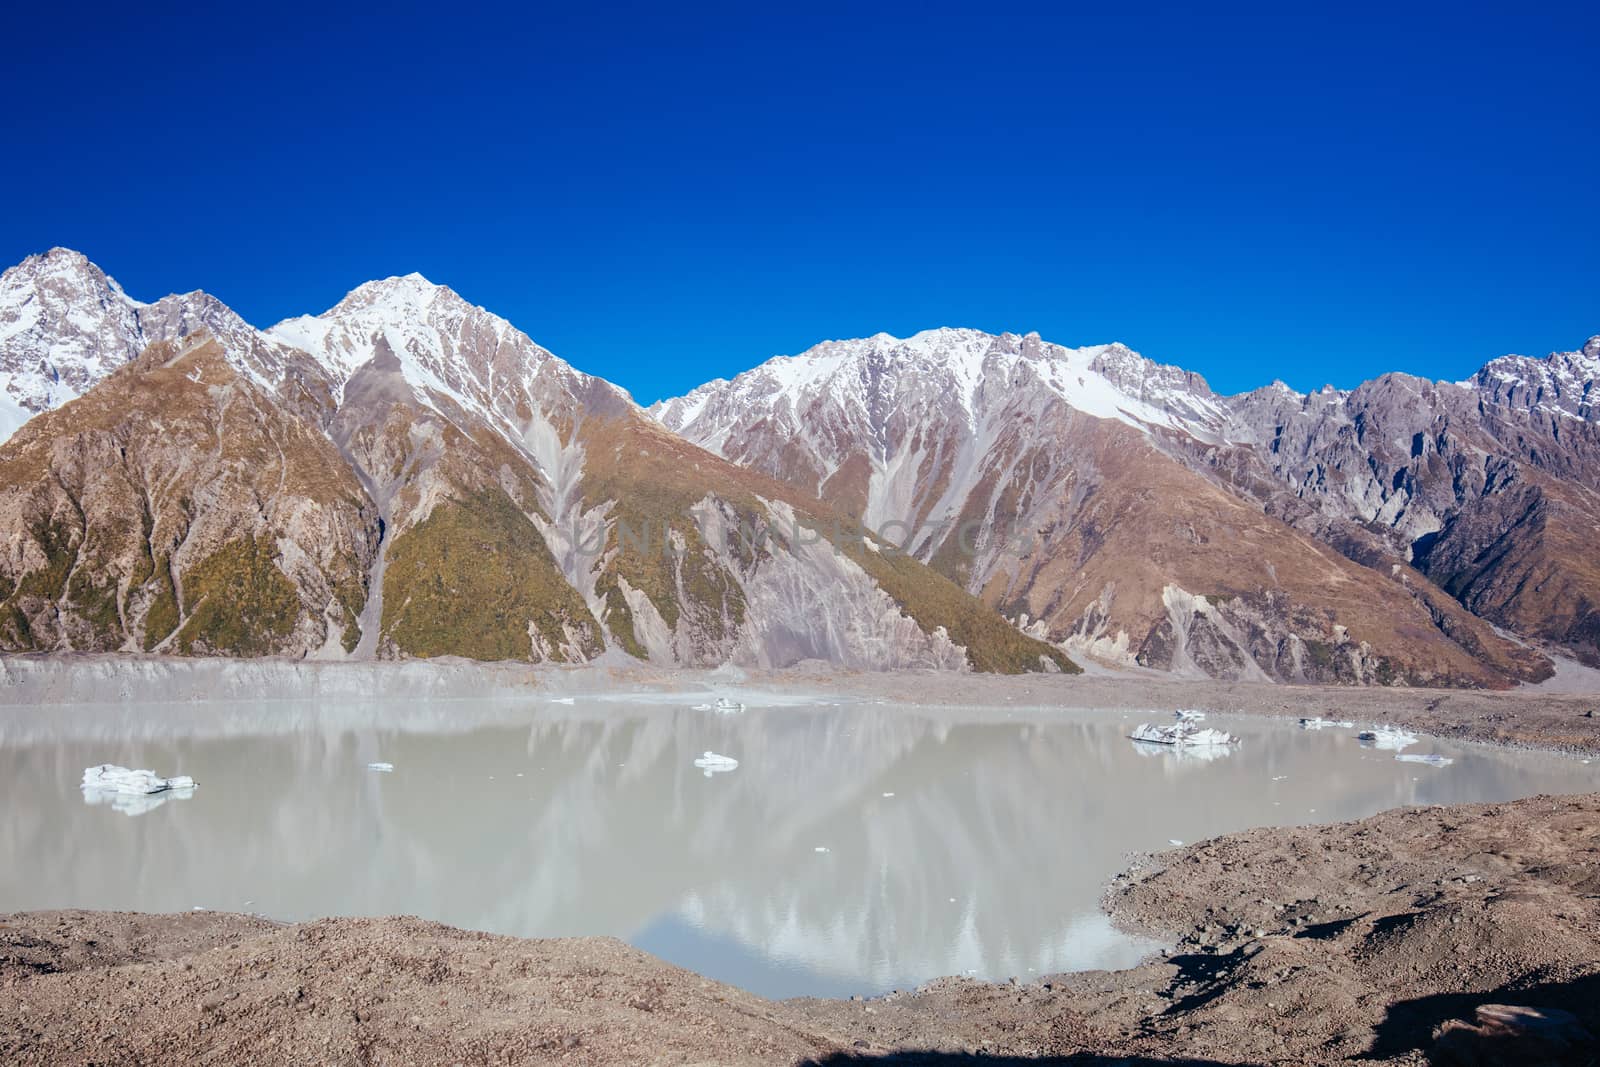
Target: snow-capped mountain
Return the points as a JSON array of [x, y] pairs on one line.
[[825, 404], [458, 357], [1073, 473], [1560, 383], [408, 475], [65, 326]]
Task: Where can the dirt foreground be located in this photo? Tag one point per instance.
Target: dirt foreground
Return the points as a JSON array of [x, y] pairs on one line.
[[1376, 940]]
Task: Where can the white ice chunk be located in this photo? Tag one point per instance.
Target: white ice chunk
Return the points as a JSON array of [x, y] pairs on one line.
[[1432, 759], [133, 792], [1389, 738], [380, 766], [108, 777], [712, 763], [1320, 723], [1182, 734]]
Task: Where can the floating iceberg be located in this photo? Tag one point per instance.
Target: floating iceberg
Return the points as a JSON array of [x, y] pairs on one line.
[[108, 777], [1389, 738], [1320, 723], [1183, 753], [384, 767], [1182, 734], [712, 763], [133, 792], [1185, 715], [1432, 759], [723, 705]]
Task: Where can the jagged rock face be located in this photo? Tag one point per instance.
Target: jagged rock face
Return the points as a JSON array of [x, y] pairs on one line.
[[494, 502], [1063, 486], [1438, 475], [178, 507]]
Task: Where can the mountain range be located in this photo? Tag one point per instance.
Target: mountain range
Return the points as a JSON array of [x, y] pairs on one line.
[[406, 474]]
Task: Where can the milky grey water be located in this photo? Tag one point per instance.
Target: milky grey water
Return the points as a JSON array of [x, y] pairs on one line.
[[855, 849]]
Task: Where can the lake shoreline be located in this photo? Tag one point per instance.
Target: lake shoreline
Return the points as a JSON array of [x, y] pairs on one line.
[[1374, 939], [1526, 717]]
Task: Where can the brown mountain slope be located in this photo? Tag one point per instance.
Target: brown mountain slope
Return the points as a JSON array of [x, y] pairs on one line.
[[179, 507], [717, 536], [1487, 488], [1130, 553], [408, 475], [597, 528], [1031, 476]]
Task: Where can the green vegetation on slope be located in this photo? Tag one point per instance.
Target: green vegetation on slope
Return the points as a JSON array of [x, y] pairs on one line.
[[470, 578], [993, 645], [238, 601]]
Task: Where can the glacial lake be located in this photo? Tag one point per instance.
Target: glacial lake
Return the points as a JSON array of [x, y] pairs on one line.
[[855, 849]]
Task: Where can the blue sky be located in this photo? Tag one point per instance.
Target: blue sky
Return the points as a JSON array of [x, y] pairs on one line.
[[663, 198]]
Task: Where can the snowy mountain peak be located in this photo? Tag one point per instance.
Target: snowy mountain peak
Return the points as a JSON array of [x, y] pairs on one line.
[[1561, 384], [64, 325], [396, 292], [967, 371], [452, 353]]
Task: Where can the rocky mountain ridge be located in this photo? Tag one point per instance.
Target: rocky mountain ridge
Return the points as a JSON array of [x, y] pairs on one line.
[[468, 494], [507, 505], [1465, 499]]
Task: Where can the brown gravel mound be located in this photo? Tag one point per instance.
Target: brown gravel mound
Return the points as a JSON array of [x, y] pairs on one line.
[[1378, 940]]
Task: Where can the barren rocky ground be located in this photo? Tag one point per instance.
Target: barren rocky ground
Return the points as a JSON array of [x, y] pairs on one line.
[[1378, 940]]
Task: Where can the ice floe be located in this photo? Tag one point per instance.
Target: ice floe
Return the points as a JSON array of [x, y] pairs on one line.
[[1432, 759], [1182, 734], [723, 706], [713, 763], [1388, 738], [1320, 723], [380, 766], [133, 792]]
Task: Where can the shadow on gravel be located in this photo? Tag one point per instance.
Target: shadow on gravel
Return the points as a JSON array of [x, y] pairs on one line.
[[1411, 1024], [913, 1058]]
